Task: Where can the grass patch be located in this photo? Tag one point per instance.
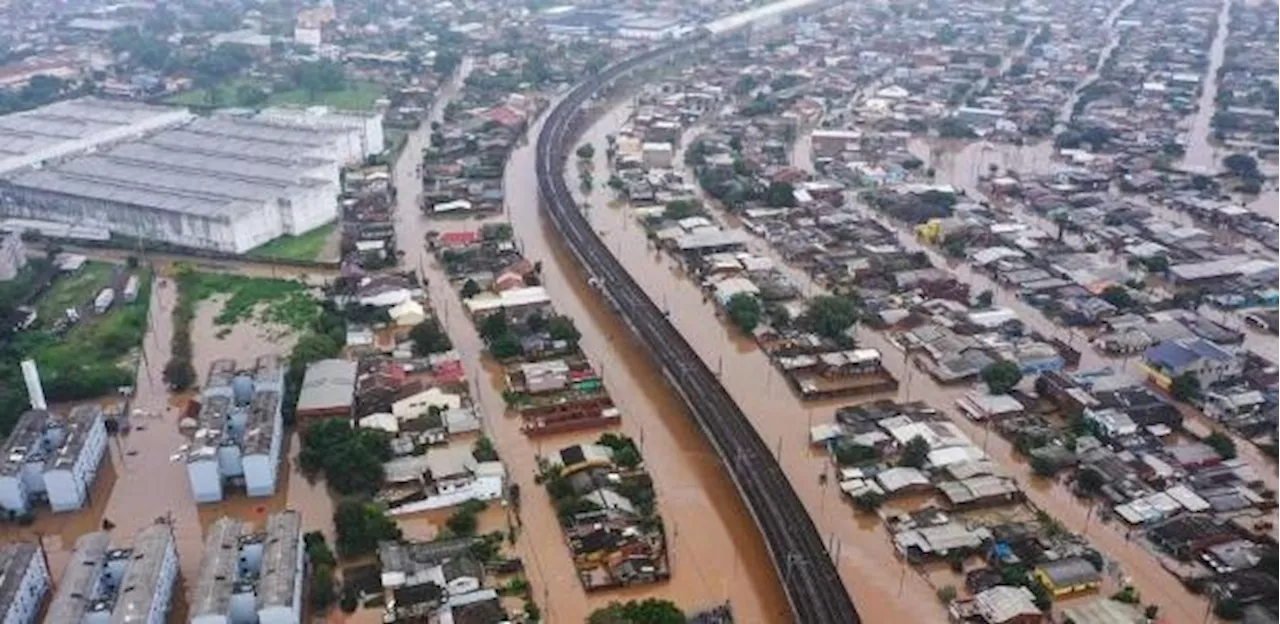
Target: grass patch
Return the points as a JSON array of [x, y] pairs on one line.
[[307, 246], [358, 95], [79, 288], [284, 302]]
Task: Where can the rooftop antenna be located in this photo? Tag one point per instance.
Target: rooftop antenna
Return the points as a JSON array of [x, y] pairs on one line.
[[35, 391]]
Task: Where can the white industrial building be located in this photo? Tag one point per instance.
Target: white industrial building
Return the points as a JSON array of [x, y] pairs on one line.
[[51, 457], [227, 182], [24, 582], [239, 430], [126, 585], [249, 577], [32, 137]]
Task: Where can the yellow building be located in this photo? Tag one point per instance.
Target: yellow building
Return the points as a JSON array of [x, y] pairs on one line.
[[1069, 576]]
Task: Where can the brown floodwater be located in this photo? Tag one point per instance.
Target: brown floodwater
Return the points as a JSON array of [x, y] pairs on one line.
[[716, 553], [1201, 154], [865, 555]]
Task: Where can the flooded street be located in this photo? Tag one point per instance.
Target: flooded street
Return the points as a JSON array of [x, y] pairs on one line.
[[717, 554], [1113, 39], [1201, 155], [867, 562]]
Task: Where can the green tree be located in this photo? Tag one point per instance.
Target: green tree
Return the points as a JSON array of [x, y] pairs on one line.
[[744, 311], [586, 151], [483, 450], [250, 96], [946, 594], [505, 346], [985, 298], [682, 209], [493, 326], [1229, 609], [562, 328], [179, 374], [1118, 296], [349, 457], [1185, 387], [429, 338], [321, 593], [830, 316], [470, 289], [647, 611], [1241, 165], [360, 526], [848, 454], [868, 501], [780, 195], [1222, 444], [1089, 480], [1001, 377], [914, 453]]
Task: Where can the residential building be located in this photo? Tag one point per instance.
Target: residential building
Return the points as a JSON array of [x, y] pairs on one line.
[[1204, 360], [125, 585], [51, 457], [1002, 604], [251, 577], [240, 430], [328, 390], [24, 582], [1068, 576], [13, 255]]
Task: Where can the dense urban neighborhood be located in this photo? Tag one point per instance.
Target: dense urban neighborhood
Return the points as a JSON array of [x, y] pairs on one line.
[[485, 312]]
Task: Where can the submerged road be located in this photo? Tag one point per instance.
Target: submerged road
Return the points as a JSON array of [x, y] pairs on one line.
[[810, 580]]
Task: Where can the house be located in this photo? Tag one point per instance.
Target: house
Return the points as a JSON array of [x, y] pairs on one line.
[[384, 290], [328, 390], [1199, 358], [408, 313], [1112, 423], [1071, 575], [462, 575], [1104, 611], [1004, 604], [421, 402]]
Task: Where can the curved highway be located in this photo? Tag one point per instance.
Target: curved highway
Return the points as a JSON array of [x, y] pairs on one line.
[[812, 584]]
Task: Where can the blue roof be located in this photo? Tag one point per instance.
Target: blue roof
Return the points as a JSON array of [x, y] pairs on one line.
[[1174, 355]]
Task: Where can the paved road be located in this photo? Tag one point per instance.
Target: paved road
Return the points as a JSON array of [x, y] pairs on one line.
[[812, 584]]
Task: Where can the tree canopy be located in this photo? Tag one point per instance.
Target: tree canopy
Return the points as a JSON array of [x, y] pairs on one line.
[[428, 338], [1185, 387], [350, 457], [744, 311], [830, 316], [360, 526], [1001, 377], [914, 453], [647, 611]]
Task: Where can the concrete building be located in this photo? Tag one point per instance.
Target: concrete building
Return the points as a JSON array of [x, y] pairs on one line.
[[328, 390], [24, 582], [128, 585], [13, 256], [240, 430], [249, 577], [75, 126], [360, 132], [51, 457]]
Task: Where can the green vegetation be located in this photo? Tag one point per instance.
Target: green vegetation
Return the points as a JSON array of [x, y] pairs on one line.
[[463, 522], [848, 454], [75, 290], [320, 592], [1001, 377], [1185, 387], [586, 151], [1222, 444], [780, 195], [744, 311], [830, 316], [282, 302], [306, 246], [868, 501], [483, 450], [428, 337], [324, 338], [360, 526], [1128, 595], [682, 209], [647, 611], [349, 457], [85, 362], [946, 594], [353, 95], [914, 453]]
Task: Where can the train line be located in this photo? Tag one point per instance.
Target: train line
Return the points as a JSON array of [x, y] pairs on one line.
[[810, 580]]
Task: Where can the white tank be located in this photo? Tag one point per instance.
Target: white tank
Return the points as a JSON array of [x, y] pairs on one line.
[[35, 391]]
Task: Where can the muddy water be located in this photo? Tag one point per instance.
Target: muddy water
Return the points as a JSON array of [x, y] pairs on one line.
[[867, 563], [1201, 155], [716, 552]]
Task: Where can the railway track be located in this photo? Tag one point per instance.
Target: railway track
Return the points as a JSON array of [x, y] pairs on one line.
[[814, 589]]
